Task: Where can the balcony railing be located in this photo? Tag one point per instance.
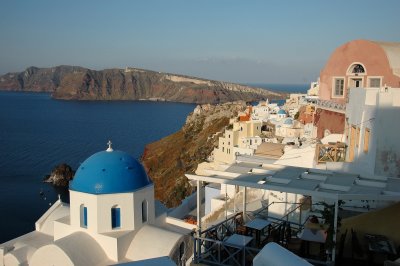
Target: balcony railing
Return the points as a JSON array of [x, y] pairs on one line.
[[331, 105], [332, 152], [211, 247]]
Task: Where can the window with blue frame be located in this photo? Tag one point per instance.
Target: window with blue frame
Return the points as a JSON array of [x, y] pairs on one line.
[[144, 211], [83, 216], [115, 217]]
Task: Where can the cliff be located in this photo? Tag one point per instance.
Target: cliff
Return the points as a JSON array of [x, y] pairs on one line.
[[60, 175], [167, 160], [36, 79], [77, 83]]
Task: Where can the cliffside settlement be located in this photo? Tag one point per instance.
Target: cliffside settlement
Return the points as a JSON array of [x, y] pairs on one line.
[[313, 182]]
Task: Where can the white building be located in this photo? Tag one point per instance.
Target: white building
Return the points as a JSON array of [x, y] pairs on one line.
[[234, 139], [314, 88], [262, 110], [112, 218], [372, 126], [289, 128]]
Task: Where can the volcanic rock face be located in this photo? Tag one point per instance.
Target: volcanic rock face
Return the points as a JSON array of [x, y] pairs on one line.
[[77, 83], [167, 160], [36, 79]]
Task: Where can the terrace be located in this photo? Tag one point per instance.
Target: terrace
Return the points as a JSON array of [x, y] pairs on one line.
[[233, 241]]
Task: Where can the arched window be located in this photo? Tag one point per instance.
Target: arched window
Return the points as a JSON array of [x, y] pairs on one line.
[[355, 69], [358, 69], [144, 211], [115, 217], [83, 216]]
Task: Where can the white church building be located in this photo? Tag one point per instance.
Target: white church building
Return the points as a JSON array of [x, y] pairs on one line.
[[112, 218]]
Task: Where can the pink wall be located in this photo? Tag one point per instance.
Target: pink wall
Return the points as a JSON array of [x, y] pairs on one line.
[[325, 119], [369, 54]]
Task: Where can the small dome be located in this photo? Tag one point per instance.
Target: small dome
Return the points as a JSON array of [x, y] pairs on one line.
[[109, 172], [288, 121], [281, 112]]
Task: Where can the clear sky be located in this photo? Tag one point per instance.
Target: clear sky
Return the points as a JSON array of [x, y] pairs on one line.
[[240, 41]]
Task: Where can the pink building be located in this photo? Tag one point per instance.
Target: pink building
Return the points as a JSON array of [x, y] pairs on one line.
[[359, 63]]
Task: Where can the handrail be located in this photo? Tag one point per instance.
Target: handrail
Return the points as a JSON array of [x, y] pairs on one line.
[[233, 217], [282, 219], [276, 202]]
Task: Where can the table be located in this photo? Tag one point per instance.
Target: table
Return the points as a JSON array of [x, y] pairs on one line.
[[380, 244], [308, 235], [313, 235], [238, 241], [259, 225]]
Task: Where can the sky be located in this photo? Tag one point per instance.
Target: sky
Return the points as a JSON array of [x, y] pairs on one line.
[[282, 41]]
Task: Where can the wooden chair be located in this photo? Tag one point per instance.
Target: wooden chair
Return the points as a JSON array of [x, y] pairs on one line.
[[241, 230], [239, 224]]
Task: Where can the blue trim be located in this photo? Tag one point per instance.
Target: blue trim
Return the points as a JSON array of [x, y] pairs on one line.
[[115, 217], [85, 216], [144, 211]]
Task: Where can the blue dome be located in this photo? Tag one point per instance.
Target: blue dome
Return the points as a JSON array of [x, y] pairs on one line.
[[288, 121], [109, 172], [281, 112]]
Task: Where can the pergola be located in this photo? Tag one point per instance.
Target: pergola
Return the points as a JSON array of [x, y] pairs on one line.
[[329, 185]]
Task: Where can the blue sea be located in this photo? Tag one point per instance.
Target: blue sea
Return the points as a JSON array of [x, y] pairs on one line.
[[37, 133], [288, 88]]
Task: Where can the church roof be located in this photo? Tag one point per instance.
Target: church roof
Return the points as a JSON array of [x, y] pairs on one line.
[[109, 172], [281, 112], [288, 121]]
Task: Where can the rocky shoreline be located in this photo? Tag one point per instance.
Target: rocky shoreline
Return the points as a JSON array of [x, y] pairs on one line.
[[60, 176]]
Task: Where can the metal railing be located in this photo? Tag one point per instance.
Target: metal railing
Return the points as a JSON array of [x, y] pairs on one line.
[[285, 217], [330, 105], [217, 252], [210, 246]]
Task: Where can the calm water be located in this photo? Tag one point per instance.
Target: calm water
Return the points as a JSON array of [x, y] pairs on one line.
[[37, 133], [288, 88]]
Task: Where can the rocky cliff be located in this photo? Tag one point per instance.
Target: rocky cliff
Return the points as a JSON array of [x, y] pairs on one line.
[[69, 82], [60, 175], [36, 79], [167, 160]]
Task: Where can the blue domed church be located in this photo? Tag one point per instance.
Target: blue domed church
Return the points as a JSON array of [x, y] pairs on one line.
[[112, 185], [112, 218]]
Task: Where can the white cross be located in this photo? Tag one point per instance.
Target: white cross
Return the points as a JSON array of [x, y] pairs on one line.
[[109, 149]]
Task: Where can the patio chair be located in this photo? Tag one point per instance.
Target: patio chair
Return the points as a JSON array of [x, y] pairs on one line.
[[275, 235], [358, 254], [239, 225], [287, 235], [241, 230], [342, 240]]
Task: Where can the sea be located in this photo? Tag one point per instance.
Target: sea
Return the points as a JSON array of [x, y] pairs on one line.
[[38, 132], [288, 88]]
